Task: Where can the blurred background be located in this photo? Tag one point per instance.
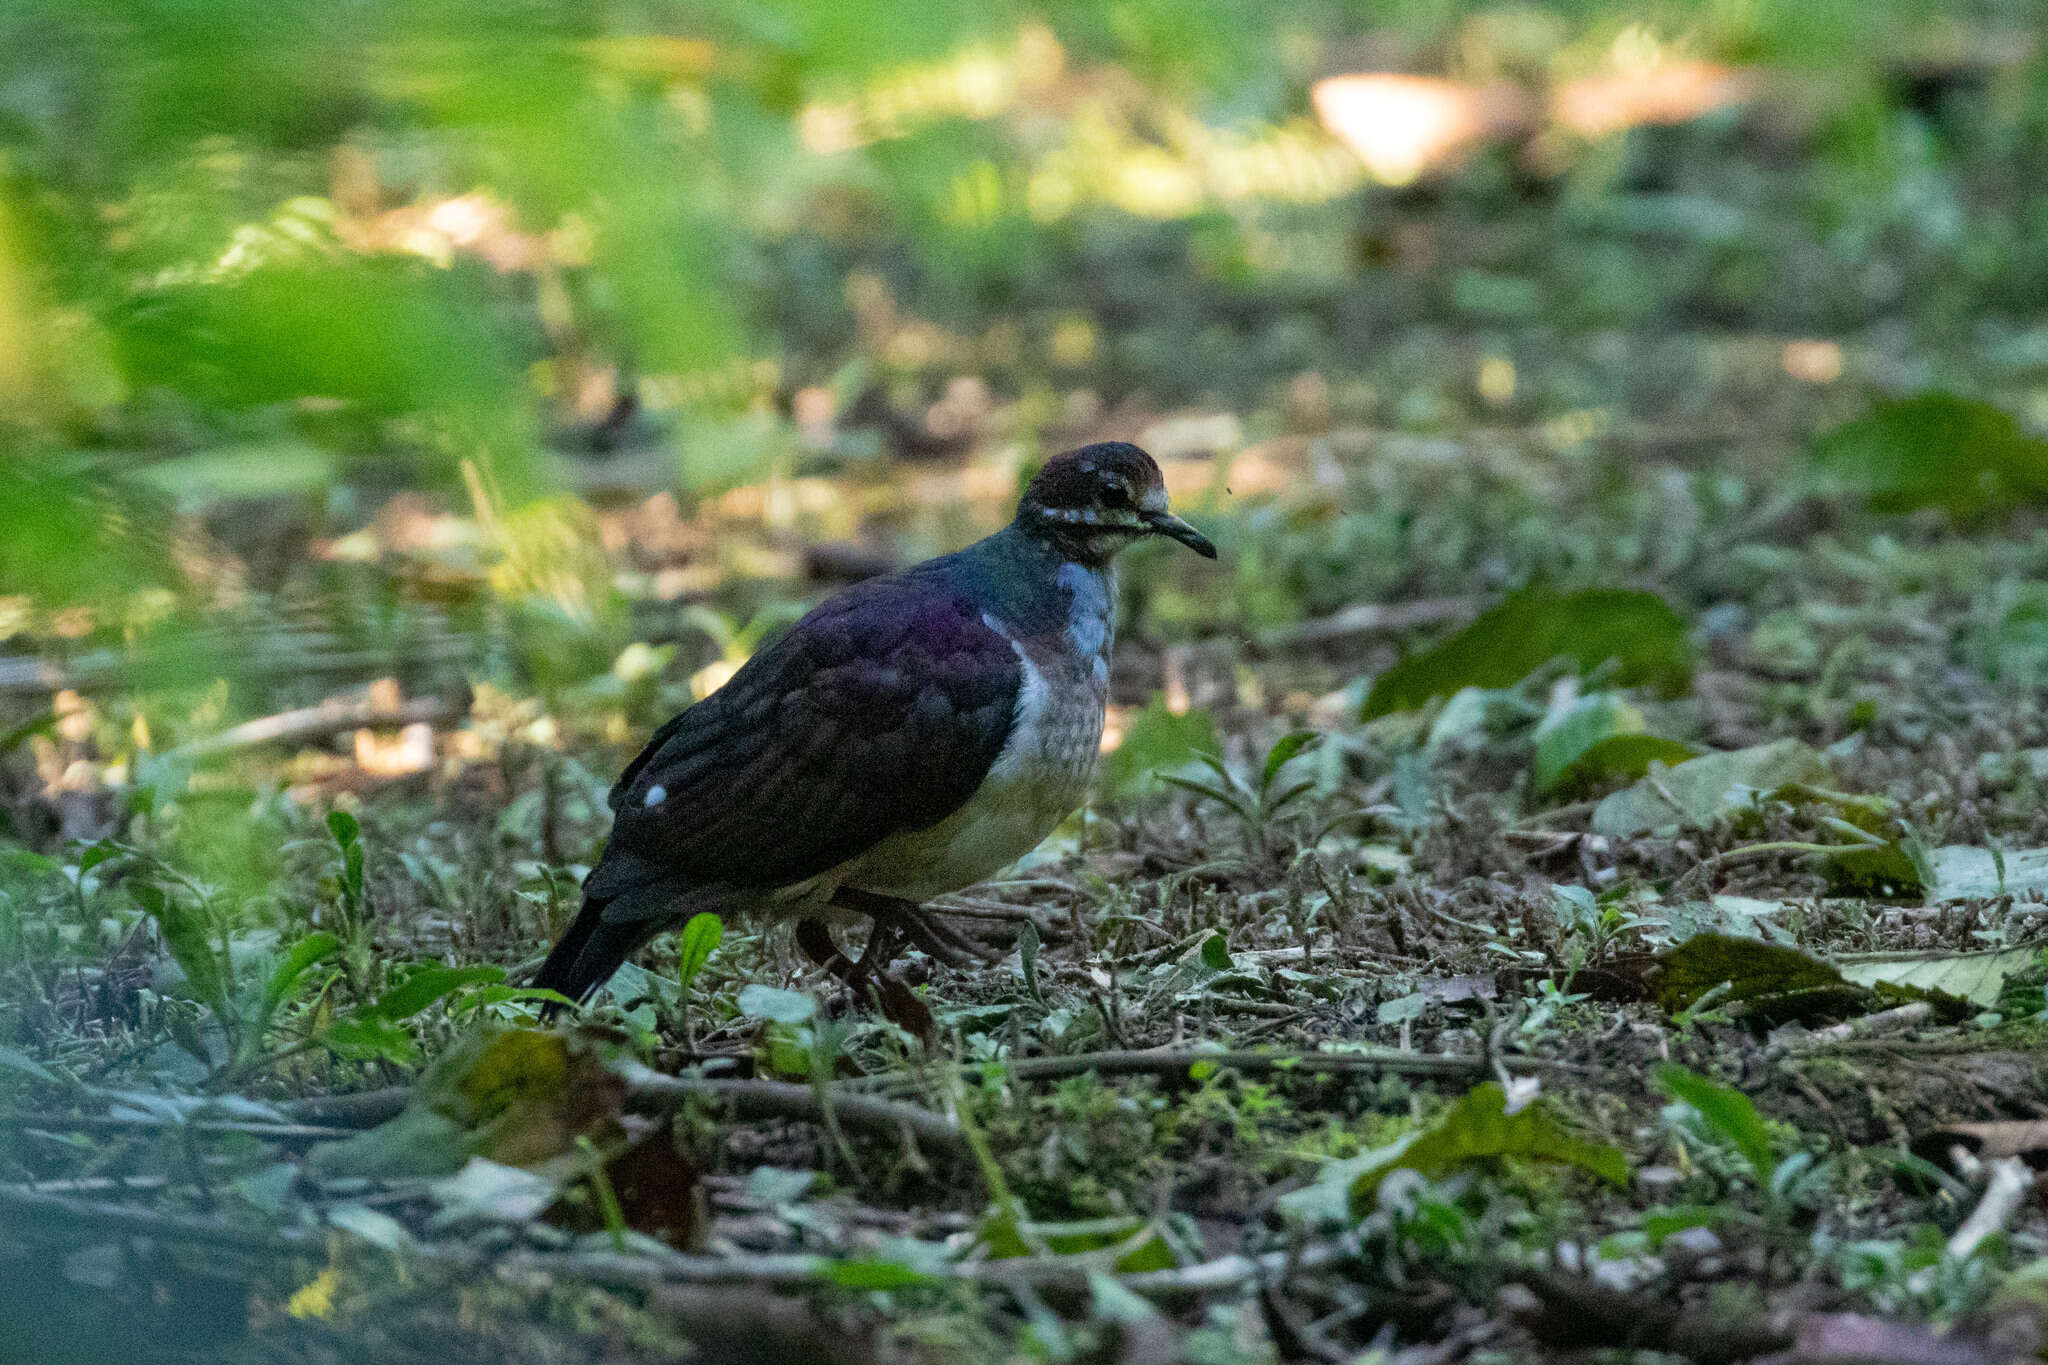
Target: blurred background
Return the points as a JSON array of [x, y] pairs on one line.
[[393, 390]]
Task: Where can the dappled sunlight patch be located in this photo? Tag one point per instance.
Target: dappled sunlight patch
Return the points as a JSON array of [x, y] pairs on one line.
[[1401, 126]]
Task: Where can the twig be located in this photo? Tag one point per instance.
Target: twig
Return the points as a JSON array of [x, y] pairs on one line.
[[793, 1271], [1176, 1061], [649, 1092], [313, 722], [2012, 1180], [133, 1123], [22, 1208], [1533, 822], [26, 1207], [1884, 1021], [993, 910], [1150, 1063], [1371, 618], [1263, 1009], [362, 1109], [1702, 872]]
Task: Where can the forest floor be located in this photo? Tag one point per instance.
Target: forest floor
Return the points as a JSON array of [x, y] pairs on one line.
[[1436, 1035]]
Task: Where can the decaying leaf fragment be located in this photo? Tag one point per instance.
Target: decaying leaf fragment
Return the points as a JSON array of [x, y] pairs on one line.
[[1480, 1127], [1776, 984]]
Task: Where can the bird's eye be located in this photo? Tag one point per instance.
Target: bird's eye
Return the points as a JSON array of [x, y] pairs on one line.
[[1116, 496]]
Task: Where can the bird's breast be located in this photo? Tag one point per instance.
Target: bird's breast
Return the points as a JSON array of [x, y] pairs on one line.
[[1038, 779]]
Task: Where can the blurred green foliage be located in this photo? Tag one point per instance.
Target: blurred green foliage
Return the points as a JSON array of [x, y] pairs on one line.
[[322, 254], [209, 201]]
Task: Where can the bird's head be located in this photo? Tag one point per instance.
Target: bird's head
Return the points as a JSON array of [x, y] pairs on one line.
[[1092, 502]]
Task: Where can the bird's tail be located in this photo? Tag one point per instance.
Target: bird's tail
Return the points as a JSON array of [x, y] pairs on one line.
[[622, 901], [587, 955]]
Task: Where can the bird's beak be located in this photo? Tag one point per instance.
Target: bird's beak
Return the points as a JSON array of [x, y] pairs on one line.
[[1167, 524]]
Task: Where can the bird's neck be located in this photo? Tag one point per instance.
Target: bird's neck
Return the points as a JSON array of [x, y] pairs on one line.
[[1043, 589]]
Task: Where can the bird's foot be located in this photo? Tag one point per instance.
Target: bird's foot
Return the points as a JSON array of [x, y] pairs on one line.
[[939, 940], [867, 978]]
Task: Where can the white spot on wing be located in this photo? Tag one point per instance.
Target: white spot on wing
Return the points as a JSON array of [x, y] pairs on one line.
[[656, 794]]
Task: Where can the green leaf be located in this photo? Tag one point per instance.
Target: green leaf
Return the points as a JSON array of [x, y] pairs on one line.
[[14, 1059], [367, 1037], [1566, 733], [1479, 1128], [1211, 792], [1028, 944], [871, 1274], [1139, 1237], [1776, 983], [1155, 740], [429, 985], [21, 862], [1402, 1009], [1660, 1225], [1283, 751], [1216, 953], [1727, 1111], [246, 471], [699, 940], [1638, 631], [1698, 791], [1276, 804], [1782, 982], [307, 951], [769, 1002], [1976, 977], [1962, 872], [1598, 738], [1934, 450], [343, 827], [185, 934]]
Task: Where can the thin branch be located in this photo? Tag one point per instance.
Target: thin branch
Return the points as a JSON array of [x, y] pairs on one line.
[[361, 1109], [24, 1209], [316, 722], [142, 1123], [1863, 1026], [1372, 618], [795, 1270], [651, 1093], [1176, 1061], [2012, 1180]]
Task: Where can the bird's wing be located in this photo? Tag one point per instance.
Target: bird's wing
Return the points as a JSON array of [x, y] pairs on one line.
[[881, 711]]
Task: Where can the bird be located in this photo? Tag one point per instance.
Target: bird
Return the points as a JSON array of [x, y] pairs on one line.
[[908, 737]]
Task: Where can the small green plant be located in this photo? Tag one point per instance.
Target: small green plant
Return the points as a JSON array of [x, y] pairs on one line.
[[1594, 925], [694, 946], [1547, 1001], [1257, 803], [244, 1001], [1786, 1184]]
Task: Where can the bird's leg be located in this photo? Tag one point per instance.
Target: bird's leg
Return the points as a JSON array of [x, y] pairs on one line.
[[866, 978], [942, 942], [883, 944], [815, 939]]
